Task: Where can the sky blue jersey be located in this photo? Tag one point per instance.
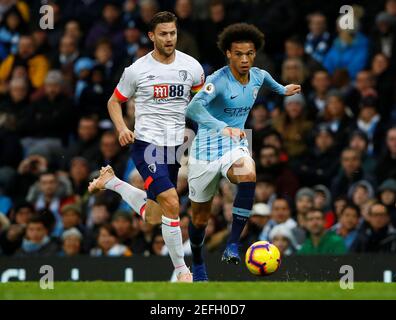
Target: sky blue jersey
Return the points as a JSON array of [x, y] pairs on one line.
[[224, 102]]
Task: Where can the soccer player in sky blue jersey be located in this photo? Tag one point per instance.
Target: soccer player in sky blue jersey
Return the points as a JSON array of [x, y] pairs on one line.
[[220, 148]]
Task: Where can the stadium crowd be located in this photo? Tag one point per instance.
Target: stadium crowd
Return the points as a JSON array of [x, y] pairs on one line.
[[325, 159]]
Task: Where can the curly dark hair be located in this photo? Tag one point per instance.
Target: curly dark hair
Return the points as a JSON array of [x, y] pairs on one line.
[[240, 32]]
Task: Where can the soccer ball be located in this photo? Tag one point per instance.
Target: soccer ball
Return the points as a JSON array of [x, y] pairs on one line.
[[262, 258]]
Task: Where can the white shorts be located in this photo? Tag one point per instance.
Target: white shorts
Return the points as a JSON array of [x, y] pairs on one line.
[[204, 176]]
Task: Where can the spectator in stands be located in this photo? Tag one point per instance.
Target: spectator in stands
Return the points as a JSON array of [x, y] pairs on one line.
[[282, 238], [51, 120], [157, 245], [73, 30], [87, 144], [320, 164], [384, 80], [351, 171], [68, 53], [280, 214], [304, 201], [322, 202], [376, 234], [14, 108], [95, 94], [110, 27], [71, 243], [49, 193], [320, 83], [359, 142], [38, 65], [348, 225], [37, 242], [294, 71], [184, 13], [349, 51], [108, 244], [124, 226], [265, 190], [82, 72], [336, 117], [363, 87], [320, 241], [387, 196], [71, 217], [361, 194], [294, 49], [270, 166], [12, 26], [317, 41], [294, 126], [383, 38], [273, 138], [112, 154], [210, 29], [79, 175], [11, 239], [105, 57], [386, 167]]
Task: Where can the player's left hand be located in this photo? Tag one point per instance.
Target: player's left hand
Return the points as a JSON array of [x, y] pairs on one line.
[[292, 89]]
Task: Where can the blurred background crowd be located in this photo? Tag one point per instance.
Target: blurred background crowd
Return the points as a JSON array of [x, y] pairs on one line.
[[326, 159]]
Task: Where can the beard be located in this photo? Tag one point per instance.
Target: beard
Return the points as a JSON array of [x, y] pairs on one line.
[[164, 52]]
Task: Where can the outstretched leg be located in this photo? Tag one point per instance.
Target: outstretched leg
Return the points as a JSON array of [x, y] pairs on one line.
[[149, 210]]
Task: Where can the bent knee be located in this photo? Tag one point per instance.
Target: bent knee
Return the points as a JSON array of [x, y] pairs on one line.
[[249, 177], [200, 220]]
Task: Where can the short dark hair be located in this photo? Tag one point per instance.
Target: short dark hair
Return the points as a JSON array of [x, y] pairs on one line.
[[351, 205], [162, 17], [295, 39], [314, 210], [240, 32]]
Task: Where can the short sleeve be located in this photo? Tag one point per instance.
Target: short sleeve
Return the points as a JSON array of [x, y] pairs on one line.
[[127, 85], [198, 75]]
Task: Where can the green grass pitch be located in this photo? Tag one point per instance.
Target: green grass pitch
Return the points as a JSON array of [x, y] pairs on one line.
[[211, 291]]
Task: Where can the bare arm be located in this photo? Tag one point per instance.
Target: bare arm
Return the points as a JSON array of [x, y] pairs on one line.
[[125, 136]]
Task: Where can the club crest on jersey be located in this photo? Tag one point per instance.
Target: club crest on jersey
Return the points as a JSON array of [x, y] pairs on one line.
[[152, 167], [183, 75]]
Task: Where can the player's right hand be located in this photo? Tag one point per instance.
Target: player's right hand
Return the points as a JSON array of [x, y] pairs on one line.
[[126, 137], [235, 133]]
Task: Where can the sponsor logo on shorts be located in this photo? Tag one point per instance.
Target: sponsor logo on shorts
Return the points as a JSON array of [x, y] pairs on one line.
[[192, 191], [152, 167]]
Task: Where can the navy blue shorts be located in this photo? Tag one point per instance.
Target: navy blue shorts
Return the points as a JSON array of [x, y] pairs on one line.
[[157, 165]]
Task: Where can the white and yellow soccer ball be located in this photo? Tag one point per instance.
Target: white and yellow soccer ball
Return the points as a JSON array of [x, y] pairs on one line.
[[262, 258]]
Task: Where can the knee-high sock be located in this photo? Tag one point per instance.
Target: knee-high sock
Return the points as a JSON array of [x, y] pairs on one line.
[[197, 236], [135, 197], [172, 235], [242, 209]]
